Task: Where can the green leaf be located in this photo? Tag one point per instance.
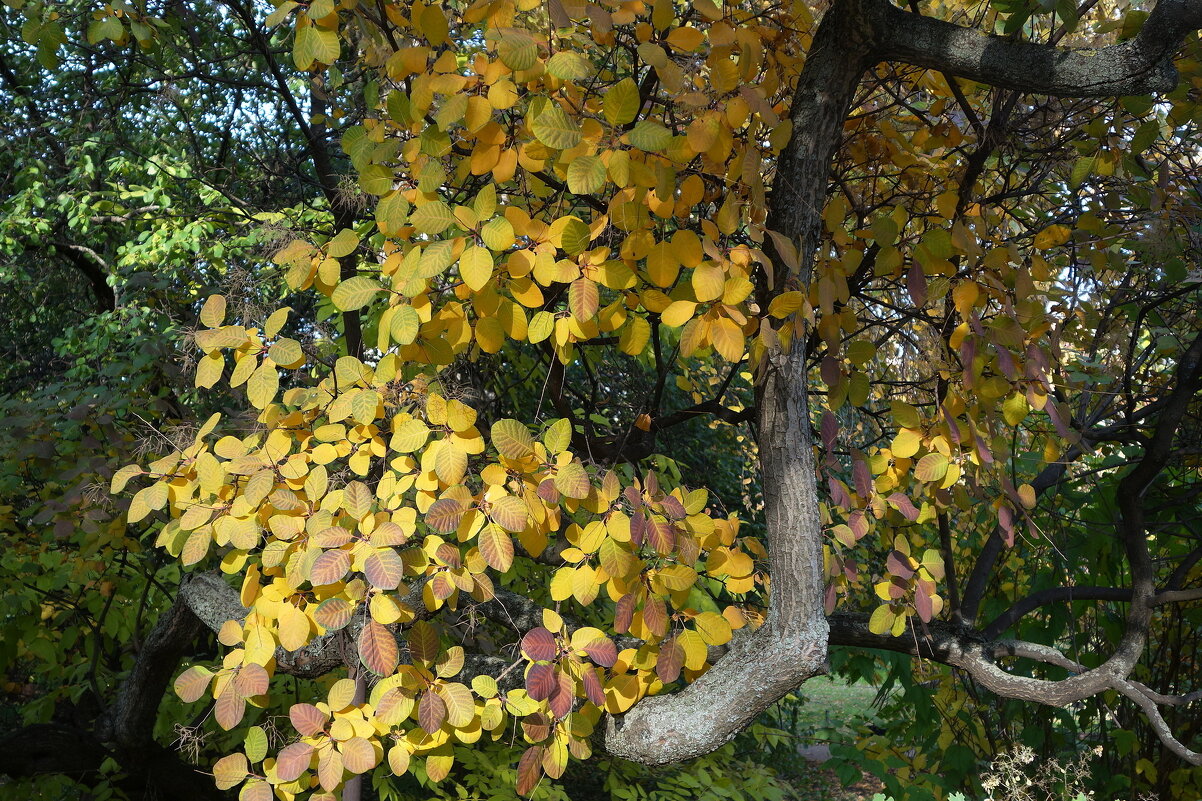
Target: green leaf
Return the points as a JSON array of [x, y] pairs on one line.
[[433, 218], [569, 66], [405, 325], [355, 293], [343, 244], [932, 467], [650, 136], [586, 175], [621, 103], [555, 129]]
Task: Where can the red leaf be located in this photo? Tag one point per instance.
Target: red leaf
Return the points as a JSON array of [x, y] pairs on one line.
[[624, 613], [307, 719], [329, 567], [916, 284], [602, 651], [539, 645], [898, 565], [530, 769], [638, 528], [431, 711], [903, 504], [830, 430], [293, 760], [251, 680], [378, 648], [444, 515], [673, 508], [563, 696], [540, 682], [670, 661], [592, 687], [536, 727], [922, 603], [384, 568]]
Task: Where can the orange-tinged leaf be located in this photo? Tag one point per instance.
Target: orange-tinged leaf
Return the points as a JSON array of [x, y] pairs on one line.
[[256, 790], [329, 768], [583, 299], [229, 771], [496, 547], [461, 706], [333, 613], [444, 515], [669, 661], [512, 439], [384, 569], [572, 481], [293, 760], [230, 708], [510, 513], [378, 648], [193, 683], [329, 567], [358, 755], [251, 680], [307, 719]]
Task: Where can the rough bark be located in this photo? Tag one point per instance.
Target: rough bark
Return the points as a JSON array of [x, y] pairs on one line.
[[1142, 65]]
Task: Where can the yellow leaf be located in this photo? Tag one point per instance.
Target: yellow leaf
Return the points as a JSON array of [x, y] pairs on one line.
[[212, 313], [709, 282], [679, 313], [881, 620], [905, 443], [727, 338], [662, 265]]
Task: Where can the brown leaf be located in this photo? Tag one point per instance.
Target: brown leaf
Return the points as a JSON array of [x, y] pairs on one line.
[[431, 711], [530, 769]]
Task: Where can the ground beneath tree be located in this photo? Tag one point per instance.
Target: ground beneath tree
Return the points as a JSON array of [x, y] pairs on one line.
[[819, 722]]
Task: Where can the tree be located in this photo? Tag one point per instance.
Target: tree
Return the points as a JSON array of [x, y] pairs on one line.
[[899, 250]]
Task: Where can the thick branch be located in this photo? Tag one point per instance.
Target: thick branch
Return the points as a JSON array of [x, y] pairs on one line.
[[1140, 66]]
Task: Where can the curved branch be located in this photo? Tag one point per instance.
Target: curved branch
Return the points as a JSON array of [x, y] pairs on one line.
[[1142, 65]]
